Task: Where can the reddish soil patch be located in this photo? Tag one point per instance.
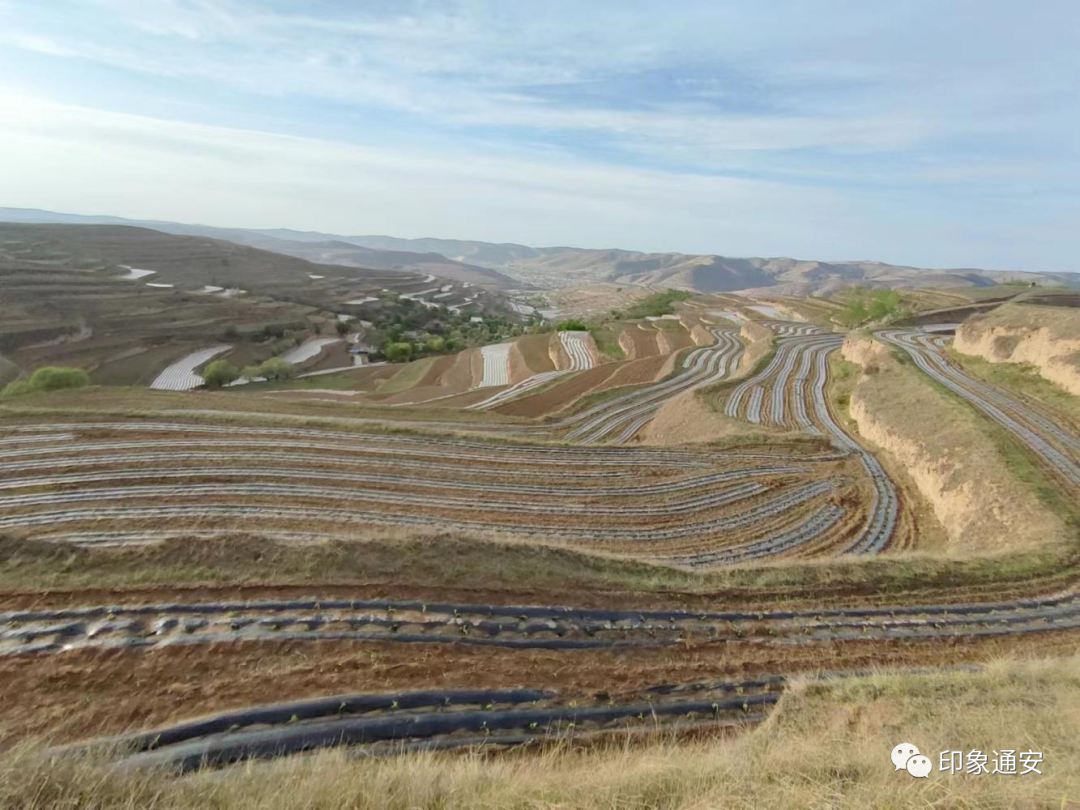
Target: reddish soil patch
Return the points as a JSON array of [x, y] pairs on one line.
[[560, 395], [531, 355], [432, 384], [673, 340], [636, 372], [638, 342], [335, 355]]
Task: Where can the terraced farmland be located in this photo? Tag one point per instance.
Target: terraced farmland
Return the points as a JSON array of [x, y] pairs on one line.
[[475, 551], [577, 351], [181, 375], [1039, 430], [113, 483]]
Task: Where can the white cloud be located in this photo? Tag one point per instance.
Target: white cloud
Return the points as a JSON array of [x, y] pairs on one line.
[[164, 169], [900, 131], [88, 161]]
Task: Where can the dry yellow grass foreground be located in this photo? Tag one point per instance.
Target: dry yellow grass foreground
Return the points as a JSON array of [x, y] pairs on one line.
[[956, 465], [827, 745]]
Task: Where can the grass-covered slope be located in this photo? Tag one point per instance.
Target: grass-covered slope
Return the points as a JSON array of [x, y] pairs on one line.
[[826, 745]]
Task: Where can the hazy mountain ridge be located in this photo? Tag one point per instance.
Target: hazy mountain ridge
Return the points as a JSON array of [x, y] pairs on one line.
[[511, 265], [318, 248], [562, 266]]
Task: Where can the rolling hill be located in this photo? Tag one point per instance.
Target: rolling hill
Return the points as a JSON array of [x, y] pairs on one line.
[[510, 265], [312, 247]]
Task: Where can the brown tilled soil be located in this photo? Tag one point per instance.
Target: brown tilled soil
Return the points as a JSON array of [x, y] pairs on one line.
[[686, 419], [432, 384], [460, 376], [333, 356], [636, 372], [88, 693], [638, 342], [531, 354], [561, 395], [670, 340]]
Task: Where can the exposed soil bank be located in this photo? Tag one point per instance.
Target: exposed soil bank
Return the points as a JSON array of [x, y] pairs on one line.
[[685, 418], [949, 454], [759, 339], [1048, 338]]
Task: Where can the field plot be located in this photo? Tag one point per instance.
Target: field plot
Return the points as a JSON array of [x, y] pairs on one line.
[[181, 375], [639, 340], [115, 483], [623, 417], [790, 391], [496, 365], [308, 350], [575, 345], [475, 550]]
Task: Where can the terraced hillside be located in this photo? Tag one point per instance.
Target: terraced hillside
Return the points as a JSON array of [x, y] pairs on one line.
[[122, 331], [127, 303], [477, 550]]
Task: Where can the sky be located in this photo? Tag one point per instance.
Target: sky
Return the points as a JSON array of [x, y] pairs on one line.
[[939, 133]]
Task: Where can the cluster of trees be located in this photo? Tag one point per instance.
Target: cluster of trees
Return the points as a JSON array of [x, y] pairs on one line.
[[270, 331], [872, 305], [404, 330], [221, 372], [571, 325], [653, 306], [48, 378]]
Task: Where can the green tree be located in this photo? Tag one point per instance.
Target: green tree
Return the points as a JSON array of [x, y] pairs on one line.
[[219, 373], [398, 352], [342, 328], [572, 325], [277, 369]]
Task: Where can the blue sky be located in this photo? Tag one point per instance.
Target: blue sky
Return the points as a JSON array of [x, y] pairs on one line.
[[926, 132]]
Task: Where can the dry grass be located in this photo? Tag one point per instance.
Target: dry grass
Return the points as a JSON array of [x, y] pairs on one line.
[[1020, 378], [827, 745], [514, 568]]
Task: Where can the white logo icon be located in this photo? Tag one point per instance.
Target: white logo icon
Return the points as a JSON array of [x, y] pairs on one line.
[[919, 766], [906, 757], [901, 754]]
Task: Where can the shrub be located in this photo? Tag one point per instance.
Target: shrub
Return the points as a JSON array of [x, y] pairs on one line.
[[48, 378], [572, 325], [219, 373], [657, 304], [54, 378], [342, 328], [16, 389]]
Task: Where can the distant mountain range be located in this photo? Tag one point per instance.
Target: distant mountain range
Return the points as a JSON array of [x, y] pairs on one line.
[[509, 265]]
